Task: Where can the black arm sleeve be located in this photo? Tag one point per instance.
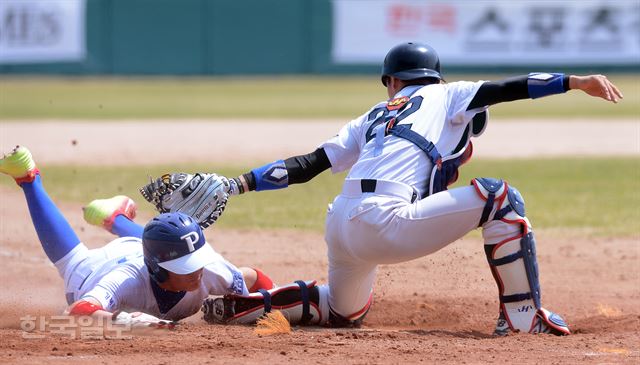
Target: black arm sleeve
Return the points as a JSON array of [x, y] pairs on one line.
[[514, 88], [304, 168], [299, 168]]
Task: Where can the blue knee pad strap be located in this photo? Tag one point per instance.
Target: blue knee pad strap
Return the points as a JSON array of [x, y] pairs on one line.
[[267, 300], [504, 260], [516, 204], [515, 298], [304, 294], [516, 201], [492, 186]]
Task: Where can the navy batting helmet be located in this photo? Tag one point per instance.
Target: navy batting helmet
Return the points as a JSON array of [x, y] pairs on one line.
[[174, 242], [410, 61]]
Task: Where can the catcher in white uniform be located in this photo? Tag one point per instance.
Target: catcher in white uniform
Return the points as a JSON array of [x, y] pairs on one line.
[[394, 206], [149, 277]]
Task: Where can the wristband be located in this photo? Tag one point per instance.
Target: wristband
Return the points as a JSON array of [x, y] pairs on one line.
[[271, 176], [544, 84], [84, 308]]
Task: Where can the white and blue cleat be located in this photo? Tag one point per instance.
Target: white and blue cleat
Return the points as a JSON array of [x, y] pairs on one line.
[[544, 321]]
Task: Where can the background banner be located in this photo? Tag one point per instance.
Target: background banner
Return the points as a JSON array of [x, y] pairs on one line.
[[40, 31], [497, 32]]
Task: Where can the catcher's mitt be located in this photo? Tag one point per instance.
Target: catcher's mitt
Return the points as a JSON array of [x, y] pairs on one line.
[[202, 196]]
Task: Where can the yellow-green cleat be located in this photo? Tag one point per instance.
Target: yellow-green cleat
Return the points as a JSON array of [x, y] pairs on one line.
[[19, 165], [103, 212]]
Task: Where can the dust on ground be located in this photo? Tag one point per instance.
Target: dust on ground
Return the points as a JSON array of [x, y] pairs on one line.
[[438, 309], [441, 308]]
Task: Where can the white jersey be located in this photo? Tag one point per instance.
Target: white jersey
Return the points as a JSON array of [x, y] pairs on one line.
[[441, 118], [117, 277]]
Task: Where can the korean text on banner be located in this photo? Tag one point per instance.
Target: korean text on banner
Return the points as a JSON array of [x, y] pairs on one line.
[[497, 32]]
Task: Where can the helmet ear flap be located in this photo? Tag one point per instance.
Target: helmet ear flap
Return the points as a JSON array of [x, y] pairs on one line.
[[385, 80], [157, 273]]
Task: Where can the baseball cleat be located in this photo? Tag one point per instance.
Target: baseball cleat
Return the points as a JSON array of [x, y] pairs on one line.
[[103, 212], [544, 321], [217, 310], [549, 322], [19, 165]]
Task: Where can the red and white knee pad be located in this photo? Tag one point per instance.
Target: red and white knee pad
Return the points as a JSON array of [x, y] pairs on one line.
[[300, 302]]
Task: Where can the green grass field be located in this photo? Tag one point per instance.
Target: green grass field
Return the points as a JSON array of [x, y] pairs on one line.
[[597, 197], [600, 196], [282, 97]]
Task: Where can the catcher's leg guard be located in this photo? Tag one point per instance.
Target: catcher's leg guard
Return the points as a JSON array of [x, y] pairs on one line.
[[302, 303], [511, 252]]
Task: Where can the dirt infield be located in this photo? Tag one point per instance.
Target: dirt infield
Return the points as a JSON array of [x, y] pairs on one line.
[[242, 141], [438, 309]]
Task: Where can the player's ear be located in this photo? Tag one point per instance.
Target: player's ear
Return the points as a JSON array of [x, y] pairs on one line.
[[392, 86]]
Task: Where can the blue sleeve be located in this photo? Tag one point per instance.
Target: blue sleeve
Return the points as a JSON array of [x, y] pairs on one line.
[[544, 84], [271, 176], [534, 85]]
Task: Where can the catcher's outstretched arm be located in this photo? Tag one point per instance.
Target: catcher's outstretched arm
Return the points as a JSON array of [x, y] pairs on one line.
[[536, 85], [204, 196], [282, 173]]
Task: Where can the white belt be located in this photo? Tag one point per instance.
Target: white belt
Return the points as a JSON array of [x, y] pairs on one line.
[[354, 188]]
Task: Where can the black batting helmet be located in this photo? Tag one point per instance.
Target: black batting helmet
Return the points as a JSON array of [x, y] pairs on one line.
[[410, 61]]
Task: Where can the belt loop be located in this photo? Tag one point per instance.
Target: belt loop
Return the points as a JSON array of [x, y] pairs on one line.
[[368, 185], [353, 188]]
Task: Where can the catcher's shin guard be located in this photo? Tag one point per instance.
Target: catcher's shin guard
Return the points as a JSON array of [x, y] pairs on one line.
[[302, 303], [510, 248]]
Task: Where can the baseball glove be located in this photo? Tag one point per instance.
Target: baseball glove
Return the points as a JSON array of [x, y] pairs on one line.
[[202, 196]]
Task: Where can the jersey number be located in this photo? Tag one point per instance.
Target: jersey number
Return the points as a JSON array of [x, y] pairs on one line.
[[414, 104]]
